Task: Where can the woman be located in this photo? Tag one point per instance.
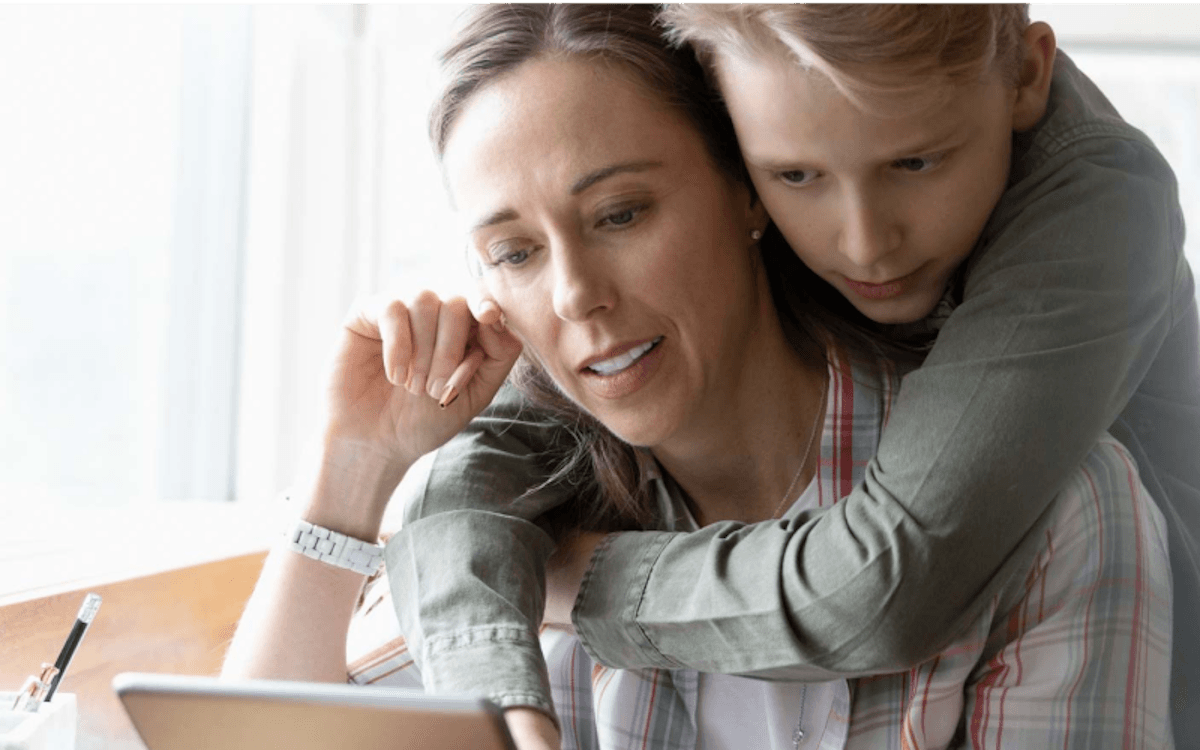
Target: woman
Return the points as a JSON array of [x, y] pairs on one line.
[[598, 204]]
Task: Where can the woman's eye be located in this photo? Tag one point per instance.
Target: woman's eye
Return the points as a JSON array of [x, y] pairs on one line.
[[517, 257], [797, 176]]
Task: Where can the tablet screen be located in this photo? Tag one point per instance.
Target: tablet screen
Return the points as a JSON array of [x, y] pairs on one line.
[[174, 712]]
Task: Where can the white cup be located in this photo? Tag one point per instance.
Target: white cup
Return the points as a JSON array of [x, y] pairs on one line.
[[51, 727]]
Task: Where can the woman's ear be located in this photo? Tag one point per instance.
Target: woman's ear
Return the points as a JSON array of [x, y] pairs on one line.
[[1037, 70], [756, 216]]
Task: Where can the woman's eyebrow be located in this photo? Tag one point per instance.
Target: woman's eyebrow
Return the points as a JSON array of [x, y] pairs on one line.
[[591, 178], [583, 183], [496, 217]]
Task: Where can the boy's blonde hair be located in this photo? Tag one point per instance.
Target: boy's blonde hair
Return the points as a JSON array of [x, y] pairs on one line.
[[871, 53]]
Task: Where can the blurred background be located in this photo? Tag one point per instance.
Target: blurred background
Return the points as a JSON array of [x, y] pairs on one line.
[[191, 197]]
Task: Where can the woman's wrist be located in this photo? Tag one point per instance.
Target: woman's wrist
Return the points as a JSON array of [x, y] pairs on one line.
[[350, 489]]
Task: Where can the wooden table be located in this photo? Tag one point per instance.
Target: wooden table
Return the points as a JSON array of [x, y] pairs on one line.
[[178, 621]]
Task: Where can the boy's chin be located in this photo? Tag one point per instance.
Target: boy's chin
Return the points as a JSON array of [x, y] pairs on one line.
[[895, 312]]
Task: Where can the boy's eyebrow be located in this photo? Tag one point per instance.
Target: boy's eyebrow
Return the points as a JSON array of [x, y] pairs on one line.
[[937, 143], [771, 164], [583, 183], [929, 145]]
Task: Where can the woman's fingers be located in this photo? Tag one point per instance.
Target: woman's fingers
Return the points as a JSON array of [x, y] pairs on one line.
[[498, 343], [396, 336], [459, 379], [374, 321], [436, 348], [423, 318], [454, 326], [488, 313]]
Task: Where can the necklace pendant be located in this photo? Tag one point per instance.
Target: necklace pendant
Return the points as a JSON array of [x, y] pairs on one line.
[[797, 737]]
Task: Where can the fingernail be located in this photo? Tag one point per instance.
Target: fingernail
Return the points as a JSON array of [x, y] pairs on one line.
[[418, 382], [436, 388], [448, 396], [408, 381]]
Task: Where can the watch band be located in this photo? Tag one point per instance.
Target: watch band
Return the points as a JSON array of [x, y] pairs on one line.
[[335, 548]]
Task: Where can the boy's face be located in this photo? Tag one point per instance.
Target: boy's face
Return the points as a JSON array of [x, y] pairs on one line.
[[884, 208]]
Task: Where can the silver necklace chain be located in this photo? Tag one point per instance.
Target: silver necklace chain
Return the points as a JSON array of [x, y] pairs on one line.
[[798, 732], [812, 437]]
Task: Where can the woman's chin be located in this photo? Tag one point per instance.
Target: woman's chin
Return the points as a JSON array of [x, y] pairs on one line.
[[644, 427], [639, 436]]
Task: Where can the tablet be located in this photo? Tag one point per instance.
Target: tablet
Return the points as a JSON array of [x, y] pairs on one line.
[[176, 712]]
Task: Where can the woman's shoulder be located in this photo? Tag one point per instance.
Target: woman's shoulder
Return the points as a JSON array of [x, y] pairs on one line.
[[1104, 535], [1105, 494]]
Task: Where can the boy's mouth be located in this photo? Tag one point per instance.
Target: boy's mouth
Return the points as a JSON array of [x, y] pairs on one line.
[[884, 290]]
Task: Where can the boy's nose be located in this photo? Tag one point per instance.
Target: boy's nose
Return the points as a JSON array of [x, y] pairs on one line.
[[582, 286], [868, 235]]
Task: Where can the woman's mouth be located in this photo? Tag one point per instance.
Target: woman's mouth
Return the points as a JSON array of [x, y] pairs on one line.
[[623, 374], [623, 361]]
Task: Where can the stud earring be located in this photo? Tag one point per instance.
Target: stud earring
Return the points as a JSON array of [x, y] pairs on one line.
[[755, 234]]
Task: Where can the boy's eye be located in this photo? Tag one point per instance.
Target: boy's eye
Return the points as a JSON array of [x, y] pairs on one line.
[[797, 176], [917, 163], [621, 217]]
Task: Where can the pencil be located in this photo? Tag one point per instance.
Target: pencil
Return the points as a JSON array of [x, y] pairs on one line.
[[87, 612]]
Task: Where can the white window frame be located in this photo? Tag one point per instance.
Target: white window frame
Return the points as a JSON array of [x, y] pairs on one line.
[[199, 435]]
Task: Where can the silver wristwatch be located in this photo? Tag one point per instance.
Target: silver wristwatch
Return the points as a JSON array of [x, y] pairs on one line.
[[335, 548]]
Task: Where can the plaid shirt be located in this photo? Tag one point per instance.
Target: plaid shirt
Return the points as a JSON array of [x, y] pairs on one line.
[[1074, 655]]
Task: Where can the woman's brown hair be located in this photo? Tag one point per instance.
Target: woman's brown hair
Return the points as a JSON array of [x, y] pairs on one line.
[[610, 478]]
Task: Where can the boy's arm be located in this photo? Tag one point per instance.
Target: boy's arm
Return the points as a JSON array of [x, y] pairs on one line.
[[467, 568], [1062, 315]]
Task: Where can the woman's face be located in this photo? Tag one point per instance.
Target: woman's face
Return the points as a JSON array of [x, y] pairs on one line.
[[619, 254]]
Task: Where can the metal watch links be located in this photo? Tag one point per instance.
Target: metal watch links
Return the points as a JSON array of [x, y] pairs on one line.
[[335, 548]]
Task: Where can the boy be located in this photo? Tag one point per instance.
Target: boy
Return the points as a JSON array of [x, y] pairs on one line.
[[982, 197]]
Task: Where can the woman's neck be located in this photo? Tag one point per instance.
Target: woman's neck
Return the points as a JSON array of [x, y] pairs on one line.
[[739, 458]]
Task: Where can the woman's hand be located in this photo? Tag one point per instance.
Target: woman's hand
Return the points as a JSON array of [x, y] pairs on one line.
[[405, 378], [380, 419], [408, 377]]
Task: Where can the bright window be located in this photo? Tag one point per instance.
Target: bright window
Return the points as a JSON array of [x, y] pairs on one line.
[[121, 165], [191, 197]]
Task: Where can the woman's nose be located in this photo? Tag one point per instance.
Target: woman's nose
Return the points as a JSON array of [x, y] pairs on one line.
[[583, 286]]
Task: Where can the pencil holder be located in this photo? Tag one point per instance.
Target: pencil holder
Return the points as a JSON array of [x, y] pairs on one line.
[[51, 727]]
